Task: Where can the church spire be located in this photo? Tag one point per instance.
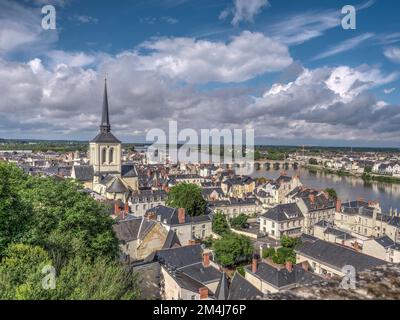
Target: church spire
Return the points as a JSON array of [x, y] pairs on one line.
[[105, 126]]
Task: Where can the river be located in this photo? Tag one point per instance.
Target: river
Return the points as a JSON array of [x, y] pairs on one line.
[[347, 188]]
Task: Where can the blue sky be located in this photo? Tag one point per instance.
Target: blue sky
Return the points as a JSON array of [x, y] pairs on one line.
[[285, 68]]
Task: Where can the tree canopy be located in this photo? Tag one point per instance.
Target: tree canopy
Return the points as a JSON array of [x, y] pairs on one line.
[[232, 249], [239, 221], [219, 224], [48, 222], [188, 196]]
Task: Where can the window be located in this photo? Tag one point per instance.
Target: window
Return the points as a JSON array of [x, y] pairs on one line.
[[103, 155], [111, 155], [273, 224]]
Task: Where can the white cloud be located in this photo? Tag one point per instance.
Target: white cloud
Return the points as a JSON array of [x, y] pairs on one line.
[[244, 10], [346, 45], [71, 59], [20, 28], [84, 19], [393, 54], [389, 91], [200, 61]]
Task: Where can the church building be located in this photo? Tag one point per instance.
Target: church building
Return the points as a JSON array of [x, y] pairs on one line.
[[106, 174]]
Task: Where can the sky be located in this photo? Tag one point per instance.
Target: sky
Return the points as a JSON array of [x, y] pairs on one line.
[[287, 69]]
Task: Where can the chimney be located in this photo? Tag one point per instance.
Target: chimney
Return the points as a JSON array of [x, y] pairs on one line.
[[305, 265], [312, 198], [289, 266], [206, 259], [117, 209], [254, 265], [203, 293], [181, 215], [338, 205]]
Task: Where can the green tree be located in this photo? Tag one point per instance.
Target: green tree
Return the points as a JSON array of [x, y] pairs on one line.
[[313, 161], [232, 249], [15, 213], [283, 255], [188, 196], [83, 279], [289, 242], [268, 253], [332, 193], [67, 222], [239, 221], [219, 224]]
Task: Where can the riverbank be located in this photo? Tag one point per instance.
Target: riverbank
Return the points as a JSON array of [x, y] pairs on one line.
[[367, 177]]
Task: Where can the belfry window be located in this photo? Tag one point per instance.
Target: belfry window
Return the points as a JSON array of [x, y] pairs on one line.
[[103, 155], [111, 158]]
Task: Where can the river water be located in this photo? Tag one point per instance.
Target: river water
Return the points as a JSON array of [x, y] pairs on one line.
[[347, 188]]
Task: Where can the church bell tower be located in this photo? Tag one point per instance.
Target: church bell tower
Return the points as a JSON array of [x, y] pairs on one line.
[[105, 148]]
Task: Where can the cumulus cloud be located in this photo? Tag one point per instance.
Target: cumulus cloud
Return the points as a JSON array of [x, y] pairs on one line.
[[200, 61], [244, 10], [327, 103], [65, 101]]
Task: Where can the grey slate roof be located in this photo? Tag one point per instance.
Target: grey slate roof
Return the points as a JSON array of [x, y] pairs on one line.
[[132, 229], [105, 137], [222, 291], [171, 241], [280, 278], [241, 289], [128, 170], [202, 274], [284, 212], [84, 172], [169, 215], [117, 186], [336, 255], [179, 257]]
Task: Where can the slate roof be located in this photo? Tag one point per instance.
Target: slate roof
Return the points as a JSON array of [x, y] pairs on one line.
[[338, 233], [148, 196], [171, 241], [320, 203], [117, 186], [284, 212], [169, 215], [185, 281], [128, 170], [241, 289], [280, 278], [179, 257], [202, 274], [336, 255], [105, 137], [238, 181], [132, 229], [84, 172], [222, 291]]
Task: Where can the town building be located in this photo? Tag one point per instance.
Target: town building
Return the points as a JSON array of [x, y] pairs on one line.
[[186, 227], [283, 219]]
